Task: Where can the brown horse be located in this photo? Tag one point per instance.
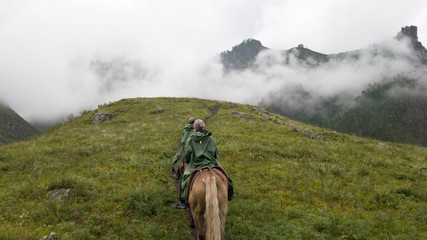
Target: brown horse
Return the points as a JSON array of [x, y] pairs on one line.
[[182, 166], [208, 199]]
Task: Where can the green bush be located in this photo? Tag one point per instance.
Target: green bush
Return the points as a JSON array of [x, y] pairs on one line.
[[145, 202]]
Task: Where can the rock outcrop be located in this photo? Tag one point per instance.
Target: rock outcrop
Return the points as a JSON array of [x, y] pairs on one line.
[[411, 32], [100, 117]]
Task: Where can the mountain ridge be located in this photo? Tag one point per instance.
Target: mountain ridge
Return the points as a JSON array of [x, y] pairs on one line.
[[341, 111], [245, 53]]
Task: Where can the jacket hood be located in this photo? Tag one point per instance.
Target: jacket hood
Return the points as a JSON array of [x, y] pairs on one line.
[[188, 127], [200, 135]]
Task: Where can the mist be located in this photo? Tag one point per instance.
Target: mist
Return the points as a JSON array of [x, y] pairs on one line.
[[63, 57], [346, 76]]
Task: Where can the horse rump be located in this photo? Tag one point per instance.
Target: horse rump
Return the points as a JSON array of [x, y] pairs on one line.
[[209, 202]]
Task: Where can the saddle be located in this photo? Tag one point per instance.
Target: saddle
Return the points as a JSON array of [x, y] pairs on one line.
[[200, 171]]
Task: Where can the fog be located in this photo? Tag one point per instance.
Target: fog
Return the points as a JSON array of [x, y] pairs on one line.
[[62, 57], [300, 86]]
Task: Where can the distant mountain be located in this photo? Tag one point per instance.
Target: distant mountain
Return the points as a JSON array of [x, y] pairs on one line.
[[391, 108], [13, 127], [243, 56]]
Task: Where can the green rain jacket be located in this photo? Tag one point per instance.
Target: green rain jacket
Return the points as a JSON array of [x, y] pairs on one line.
[[200, 150], [188, 129]]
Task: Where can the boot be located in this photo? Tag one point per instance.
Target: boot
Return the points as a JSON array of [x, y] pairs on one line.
[[180, 204], [231, 194]]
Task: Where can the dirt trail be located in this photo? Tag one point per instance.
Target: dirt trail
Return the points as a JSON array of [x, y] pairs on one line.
[[213, 111]]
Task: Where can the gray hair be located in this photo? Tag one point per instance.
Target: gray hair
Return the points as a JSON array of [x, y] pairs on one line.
[[199, 124]]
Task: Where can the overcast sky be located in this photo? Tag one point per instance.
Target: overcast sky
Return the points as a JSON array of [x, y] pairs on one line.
[[46, 45]]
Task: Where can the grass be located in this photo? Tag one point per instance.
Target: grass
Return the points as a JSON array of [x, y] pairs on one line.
[[289, 185]]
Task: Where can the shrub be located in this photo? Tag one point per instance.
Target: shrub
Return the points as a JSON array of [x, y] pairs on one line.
[[145, 202]]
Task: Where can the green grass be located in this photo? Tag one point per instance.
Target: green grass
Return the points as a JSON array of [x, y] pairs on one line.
[[289, 186]]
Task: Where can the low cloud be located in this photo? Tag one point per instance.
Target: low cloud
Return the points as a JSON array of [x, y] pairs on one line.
[[64, 57], [300, 86], [95, 80]]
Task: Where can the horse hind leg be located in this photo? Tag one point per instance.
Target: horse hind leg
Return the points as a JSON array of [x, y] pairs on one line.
[[222, 186], [201, 230], [199, 224], [223, 208], [197, 203], [192, 221]]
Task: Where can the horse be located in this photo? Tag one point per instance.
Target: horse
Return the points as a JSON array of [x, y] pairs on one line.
[[182, 166], [208, 200]]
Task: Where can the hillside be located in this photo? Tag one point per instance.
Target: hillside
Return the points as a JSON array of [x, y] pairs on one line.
[[397, 117], [13, 127], [293, 181], [383, 111], [389, 117]]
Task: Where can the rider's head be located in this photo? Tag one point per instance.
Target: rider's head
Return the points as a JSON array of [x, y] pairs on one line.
[[198, 124], [191, 121]]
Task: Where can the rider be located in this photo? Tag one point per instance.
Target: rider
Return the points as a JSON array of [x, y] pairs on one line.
[[200, 150], [185, 134]]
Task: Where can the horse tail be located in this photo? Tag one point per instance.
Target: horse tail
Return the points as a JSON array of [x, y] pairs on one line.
[[212, 218]]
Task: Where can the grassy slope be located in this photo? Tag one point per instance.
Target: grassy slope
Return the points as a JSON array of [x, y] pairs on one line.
[[288, 185]]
